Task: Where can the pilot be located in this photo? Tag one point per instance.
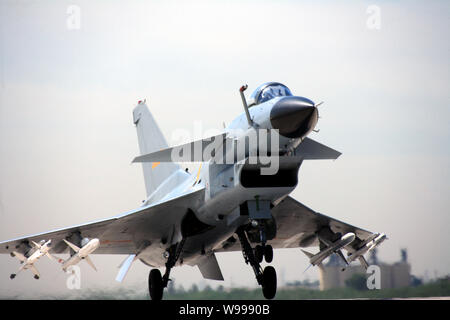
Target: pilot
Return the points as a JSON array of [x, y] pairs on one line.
[[268, 91]]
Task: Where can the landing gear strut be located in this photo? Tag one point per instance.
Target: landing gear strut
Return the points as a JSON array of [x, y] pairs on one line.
[[156, 282], [266, 278]]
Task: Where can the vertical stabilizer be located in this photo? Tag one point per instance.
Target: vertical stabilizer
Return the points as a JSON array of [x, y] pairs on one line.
[[151, 139]]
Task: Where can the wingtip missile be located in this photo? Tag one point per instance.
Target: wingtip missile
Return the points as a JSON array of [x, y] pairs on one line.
[[335, 247], [367, 246], [377, 241]]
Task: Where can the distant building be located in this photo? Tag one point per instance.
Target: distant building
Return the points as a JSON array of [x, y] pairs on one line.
[[395, 275]]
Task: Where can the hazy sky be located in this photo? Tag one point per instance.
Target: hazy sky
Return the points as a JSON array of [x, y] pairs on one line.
[[67, 138]]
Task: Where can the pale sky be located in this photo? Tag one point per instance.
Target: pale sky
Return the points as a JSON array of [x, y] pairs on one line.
[[67, 138]]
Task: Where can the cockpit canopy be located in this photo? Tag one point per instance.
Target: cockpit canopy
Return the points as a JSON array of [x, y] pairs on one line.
[[267, 91]]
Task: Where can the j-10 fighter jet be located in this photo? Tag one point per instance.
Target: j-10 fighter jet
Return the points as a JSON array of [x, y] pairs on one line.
[[238, 200]]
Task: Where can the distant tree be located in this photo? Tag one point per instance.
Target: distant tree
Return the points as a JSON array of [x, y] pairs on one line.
[[415, 282], [220, 289], [194, 288], [207, 288], [357, 281], [294, 284], [306, 283], [171, 287], [180, 289]]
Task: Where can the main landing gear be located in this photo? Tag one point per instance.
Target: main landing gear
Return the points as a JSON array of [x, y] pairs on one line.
[[266, 278], [156, 282]]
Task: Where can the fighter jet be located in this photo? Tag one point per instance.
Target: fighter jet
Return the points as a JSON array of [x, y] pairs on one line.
[[237, 200]]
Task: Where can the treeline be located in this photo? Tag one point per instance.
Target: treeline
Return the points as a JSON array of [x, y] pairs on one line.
[[439, 288]]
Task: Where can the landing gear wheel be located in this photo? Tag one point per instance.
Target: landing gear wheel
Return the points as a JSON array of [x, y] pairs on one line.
[[266, 278], [269, 282], [36, 277], [268, 253], [259, 253], [155, 284], [12, 276]]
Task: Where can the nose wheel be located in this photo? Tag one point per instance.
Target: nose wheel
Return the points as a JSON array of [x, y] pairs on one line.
[[266, 278], [268, 253], [259, 253], [269, 283], [264, 252]]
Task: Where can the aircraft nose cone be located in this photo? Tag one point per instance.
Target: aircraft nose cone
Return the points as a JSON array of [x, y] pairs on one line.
[[294, 117]]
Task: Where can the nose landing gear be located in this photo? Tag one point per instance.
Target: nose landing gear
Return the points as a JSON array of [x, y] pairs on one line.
[[269, 285], [266, 278], [264, 252]]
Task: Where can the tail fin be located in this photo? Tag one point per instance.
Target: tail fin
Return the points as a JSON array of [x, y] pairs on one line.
[[151, 139], [19, 256], [363, 262], [54, 258], [36, 245], [74, 247], [308, 254], [89, 261]]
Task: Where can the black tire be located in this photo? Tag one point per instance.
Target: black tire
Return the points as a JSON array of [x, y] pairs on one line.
[[269, 285], [268, 253], [259, 253], [155, 285]]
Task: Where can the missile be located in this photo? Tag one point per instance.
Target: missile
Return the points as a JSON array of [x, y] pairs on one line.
[[28, 262], [44, 250], [316, 259], [377, 241], [81, 253], [367, 246]]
